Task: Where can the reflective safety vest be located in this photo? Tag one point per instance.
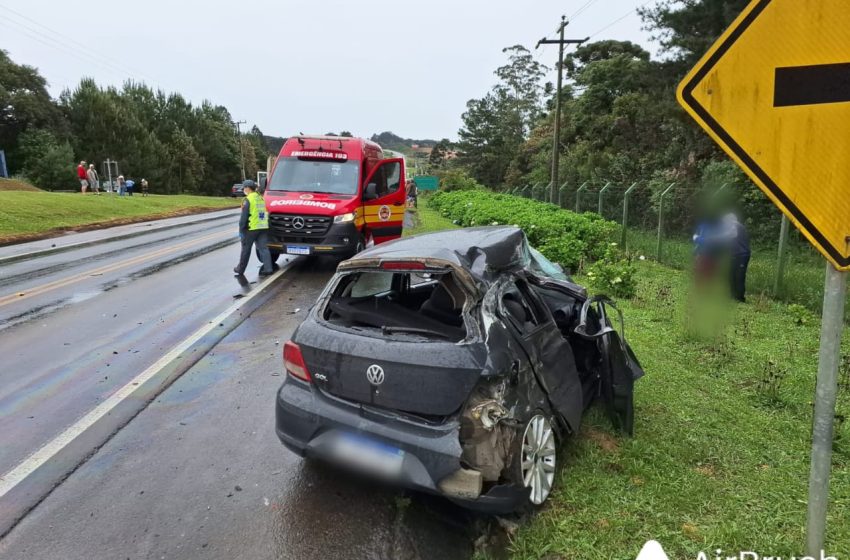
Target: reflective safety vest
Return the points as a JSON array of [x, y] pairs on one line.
[[258, 218]]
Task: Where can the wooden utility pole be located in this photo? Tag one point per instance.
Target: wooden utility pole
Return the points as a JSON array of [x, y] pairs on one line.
[[556, 139], [241, 148]]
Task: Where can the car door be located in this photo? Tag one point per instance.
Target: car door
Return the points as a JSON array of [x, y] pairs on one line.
[[383, 201], [600, 319], [550, 354]]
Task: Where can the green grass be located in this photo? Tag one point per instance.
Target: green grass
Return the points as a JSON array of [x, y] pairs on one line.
[[427, 220], [804, 270], [36, 212], [720, 456]]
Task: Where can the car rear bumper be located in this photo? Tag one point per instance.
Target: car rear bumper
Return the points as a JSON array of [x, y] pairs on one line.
[[340, 239], [308, 420]]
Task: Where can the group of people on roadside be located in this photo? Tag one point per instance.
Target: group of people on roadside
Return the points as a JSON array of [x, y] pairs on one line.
[[89, 178], [715, 240]]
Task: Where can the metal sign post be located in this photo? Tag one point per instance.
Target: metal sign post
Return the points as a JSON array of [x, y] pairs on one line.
[[832, 324]]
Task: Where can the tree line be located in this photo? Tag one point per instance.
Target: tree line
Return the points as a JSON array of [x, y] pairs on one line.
[[620, 123], [177, 146]]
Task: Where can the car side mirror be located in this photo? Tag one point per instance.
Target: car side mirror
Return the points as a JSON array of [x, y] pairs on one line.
[[371, 192]]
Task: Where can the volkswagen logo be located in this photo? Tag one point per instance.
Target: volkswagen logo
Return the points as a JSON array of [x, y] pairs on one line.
[[298, 222], [375, 374]]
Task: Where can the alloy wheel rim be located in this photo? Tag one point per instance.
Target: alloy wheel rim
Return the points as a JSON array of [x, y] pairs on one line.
[[538, 458]]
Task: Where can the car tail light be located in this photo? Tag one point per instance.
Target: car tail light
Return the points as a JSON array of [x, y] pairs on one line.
[[402, 265], [293, 362]]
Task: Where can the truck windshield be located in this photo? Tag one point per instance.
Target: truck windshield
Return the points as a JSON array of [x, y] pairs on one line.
[[333, 177]]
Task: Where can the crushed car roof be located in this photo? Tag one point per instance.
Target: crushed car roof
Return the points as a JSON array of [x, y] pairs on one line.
[[482, 251]]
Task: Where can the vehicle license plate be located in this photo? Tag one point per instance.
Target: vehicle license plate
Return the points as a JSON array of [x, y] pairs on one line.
[[369, 455], [297, 250]]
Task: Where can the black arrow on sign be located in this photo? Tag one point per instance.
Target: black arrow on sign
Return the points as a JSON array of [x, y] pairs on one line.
[[812, 85]]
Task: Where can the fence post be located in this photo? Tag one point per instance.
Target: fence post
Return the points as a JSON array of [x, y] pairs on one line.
[[546, 192], [601, 192], [561, 194], [626, 214], [661, 221], [578, 196], [783, 254]]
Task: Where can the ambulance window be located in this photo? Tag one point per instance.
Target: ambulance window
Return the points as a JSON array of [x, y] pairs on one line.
[[393, 177]]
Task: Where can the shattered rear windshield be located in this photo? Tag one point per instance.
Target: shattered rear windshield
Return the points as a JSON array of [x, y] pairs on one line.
[[388, 303]]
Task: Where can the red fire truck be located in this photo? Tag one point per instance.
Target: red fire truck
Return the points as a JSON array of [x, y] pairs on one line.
[[330, 195]]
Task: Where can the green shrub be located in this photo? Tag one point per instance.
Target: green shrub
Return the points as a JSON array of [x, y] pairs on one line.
[[799, 314], [457, 180], [565, 237], [47, 163], [613, 275]]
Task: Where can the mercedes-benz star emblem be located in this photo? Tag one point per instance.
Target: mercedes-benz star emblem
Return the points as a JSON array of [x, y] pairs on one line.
[[375, 374], [298, 222]]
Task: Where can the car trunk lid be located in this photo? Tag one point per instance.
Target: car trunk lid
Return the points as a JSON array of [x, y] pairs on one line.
[[423, 378]]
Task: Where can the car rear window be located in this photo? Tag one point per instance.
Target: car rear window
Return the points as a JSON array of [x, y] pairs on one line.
[[399, 304]]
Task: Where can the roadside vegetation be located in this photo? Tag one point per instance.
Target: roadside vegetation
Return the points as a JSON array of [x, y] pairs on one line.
[[179, 147], [622, 126], [30, 215], [720, 456]]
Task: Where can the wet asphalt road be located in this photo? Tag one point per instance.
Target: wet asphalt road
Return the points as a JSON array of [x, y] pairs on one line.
[[76, 325], [201, 474]]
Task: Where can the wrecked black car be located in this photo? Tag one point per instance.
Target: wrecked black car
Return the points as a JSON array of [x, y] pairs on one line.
[[454, 363]]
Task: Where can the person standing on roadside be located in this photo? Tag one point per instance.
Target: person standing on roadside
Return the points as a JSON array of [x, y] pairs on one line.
[[82, 176], [122, 185], [254, 229], [707, 251], [144, 184], [738, 241], [412, 194], [93, 179]]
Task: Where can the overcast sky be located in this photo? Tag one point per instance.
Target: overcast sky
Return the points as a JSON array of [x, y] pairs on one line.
[[310, 67]]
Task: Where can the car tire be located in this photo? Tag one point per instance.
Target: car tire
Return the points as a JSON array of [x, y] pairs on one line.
[[275, 253], [534, 462]]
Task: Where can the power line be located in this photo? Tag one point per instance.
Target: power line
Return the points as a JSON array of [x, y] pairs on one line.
[[583, 9], [621, 18], [105, 61], [35, 36]]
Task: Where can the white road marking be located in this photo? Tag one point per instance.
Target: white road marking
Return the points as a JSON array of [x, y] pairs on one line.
[[50, 449]]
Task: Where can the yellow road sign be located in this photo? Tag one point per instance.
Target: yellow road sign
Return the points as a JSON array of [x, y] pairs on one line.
[[774, 92]]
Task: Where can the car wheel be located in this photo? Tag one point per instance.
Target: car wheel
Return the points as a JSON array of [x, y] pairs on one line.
[[536, 458], [275, 253]]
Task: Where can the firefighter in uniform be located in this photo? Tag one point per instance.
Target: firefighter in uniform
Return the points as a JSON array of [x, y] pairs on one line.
[[254, 229]]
